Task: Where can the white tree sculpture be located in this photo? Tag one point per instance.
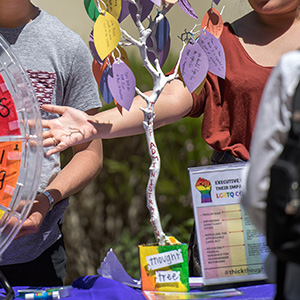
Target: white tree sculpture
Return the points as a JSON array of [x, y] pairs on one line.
[[139, 10]]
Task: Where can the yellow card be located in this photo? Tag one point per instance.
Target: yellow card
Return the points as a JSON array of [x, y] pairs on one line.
[[114, 7], [107, 34]]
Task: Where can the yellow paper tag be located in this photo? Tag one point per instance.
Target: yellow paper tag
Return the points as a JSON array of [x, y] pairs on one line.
[[107, 34], [123, 53], [113, 7]]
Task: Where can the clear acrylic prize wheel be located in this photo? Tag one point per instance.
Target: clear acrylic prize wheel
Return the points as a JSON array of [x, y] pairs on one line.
[[21, 149]]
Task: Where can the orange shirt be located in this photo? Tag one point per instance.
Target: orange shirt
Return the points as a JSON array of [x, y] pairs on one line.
[[229, 106]]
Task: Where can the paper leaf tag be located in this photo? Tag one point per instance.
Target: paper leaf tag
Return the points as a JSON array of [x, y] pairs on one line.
[[121, 82], [146, 7], [157, 2], [162, 33], [213, 22], [112, 7], [123, 53], [215, 53], [193, 66], [187, 8], [107, 34], [91, 9], [162, 55], [93, 49], [124, 11], [104, 88], [98, 69]]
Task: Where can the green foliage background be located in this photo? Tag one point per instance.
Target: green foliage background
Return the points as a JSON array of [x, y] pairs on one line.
[[112, 213]]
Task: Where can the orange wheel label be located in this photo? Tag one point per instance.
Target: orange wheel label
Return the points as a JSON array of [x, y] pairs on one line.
[[10, 161]]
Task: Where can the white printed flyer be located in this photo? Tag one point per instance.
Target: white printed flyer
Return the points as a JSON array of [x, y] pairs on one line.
[[231, 248]]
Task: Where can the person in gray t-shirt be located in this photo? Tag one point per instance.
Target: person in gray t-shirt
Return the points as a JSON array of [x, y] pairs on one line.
[[59, 65]]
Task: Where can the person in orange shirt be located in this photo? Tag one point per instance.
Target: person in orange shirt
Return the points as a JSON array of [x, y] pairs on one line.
[[253, 45]]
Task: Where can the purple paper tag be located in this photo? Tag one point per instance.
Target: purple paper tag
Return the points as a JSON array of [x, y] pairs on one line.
[[217, 1], [187, 8], [157, 2], [121, 82], [162, 55], [93, 49], [146, 6], [215, 53], [104, 89], [124, 11], [193, 65]]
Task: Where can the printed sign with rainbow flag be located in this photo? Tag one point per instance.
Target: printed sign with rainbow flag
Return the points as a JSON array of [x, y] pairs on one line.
[[230, 247], [164, 268]]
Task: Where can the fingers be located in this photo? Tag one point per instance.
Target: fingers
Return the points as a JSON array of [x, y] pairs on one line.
[[54, 108]]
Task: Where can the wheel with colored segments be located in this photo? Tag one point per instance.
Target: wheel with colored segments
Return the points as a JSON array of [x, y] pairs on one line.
[[21, 149]]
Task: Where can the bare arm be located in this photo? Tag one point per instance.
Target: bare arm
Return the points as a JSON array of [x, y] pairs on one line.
[[75, 127], [86, 162]]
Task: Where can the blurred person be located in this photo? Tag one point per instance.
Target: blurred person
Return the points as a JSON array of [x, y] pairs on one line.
[[269, 137]]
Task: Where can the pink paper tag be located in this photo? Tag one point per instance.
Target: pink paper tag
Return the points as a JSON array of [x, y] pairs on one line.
[[121, 82], [193, 65], [215, 53], [187, 8]]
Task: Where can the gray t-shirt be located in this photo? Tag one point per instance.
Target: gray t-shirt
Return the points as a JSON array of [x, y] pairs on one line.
[[59, 65]]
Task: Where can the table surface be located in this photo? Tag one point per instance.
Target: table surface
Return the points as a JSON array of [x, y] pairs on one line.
[[98, 288]]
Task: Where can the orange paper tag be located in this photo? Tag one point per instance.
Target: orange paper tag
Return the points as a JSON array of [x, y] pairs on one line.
[[10, 161], [213, 22]]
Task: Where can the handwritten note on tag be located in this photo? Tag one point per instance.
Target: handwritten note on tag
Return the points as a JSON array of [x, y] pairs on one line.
[[165, 259], [121, 82], [215, 53], [107, 34], [193, 66], [113, 7], [213, 22], [187, 8]]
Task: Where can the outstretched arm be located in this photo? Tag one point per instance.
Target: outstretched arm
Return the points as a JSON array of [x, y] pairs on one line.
[[82, 168], [75, 127]]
